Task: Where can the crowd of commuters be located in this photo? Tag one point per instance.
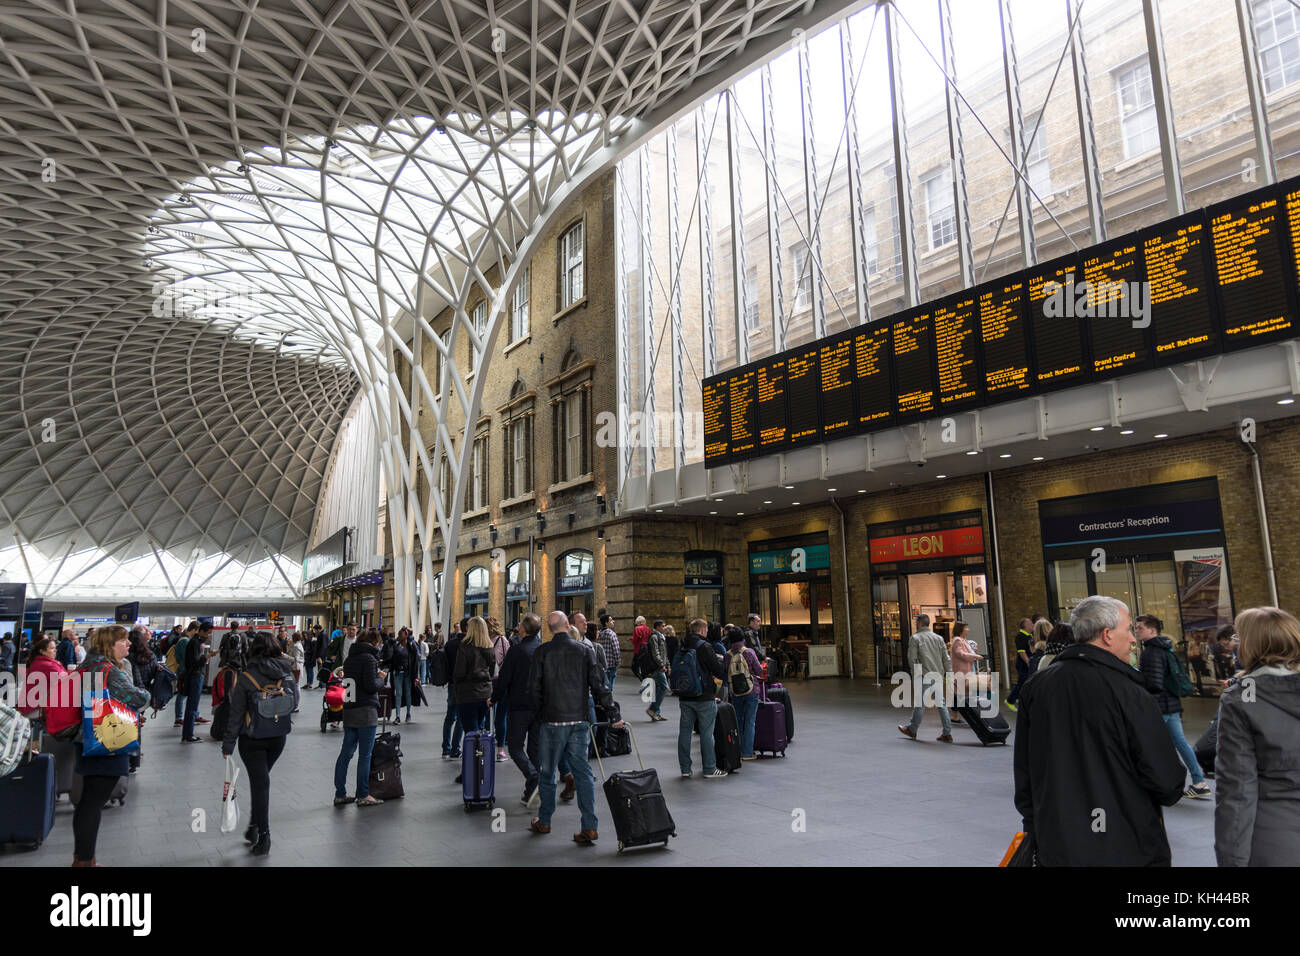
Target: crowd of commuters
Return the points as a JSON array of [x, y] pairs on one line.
[[1099, 743]]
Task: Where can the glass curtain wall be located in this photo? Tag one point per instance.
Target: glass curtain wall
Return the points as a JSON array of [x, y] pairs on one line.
[[917, 148]]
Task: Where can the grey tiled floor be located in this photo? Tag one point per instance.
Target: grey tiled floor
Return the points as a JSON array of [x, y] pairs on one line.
[[869, 796]]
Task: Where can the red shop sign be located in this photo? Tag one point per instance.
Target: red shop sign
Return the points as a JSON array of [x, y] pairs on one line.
[[951, 542]]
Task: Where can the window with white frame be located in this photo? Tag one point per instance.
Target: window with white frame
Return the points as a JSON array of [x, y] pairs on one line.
[[1137, 109], [1037, 168], [519, 456], [571, 266], [444, 483], [1277, 37], [519, 308], [476, 488], [802, 267], [751, 298], [870, 242], [479, 319], [571, 415], [941, 218]]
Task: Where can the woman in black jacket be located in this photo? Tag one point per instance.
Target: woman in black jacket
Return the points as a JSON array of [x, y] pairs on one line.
[[360, 719], [260, 744], [472, 675]]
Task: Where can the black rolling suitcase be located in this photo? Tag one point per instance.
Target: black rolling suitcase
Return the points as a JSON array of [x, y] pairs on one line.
[[779, 694], [636, 802], [27, 802], [726, 738], [993, 729]]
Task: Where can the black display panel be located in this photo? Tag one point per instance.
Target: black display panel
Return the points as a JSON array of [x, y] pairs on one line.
[[839, 403], [803, 394], [773, 421], [956, 349], [717, 422], [873, 347], [914, 365], [1116, 307], [1253, 296], [1183, 323], [1004, 339], [1201, 284], [1052, 297], [742, 401]]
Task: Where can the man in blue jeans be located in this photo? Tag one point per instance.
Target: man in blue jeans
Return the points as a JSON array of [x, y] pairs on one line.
[[562, 680], [451, 728], [1154, 665], [360, 719], [196, 662], [694, 667]]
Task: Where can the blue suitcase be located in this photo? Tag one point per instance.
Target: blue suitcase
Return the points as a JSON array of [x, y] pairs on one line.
[[478, 768], [27, 802]]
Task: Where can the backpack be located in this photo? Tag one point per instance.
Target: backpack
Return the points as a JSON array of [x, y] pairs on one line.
[[269, 709], [1176, 680], [175, 659], [685, 674], [643, 662], [738, 676], [15, 738], [163, 688], [438, 667]]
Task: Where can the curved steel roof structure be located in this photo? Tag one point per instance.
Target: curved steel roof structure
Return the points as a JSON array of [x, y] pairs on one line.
[[221, 220]]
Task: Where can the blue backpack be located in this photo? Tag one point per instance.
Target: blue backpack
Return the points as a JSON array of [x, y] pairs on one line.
[[685, 673]]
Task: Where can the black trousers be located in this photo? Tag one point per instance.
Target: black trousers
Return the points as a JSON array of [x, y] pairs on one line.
[[521, 724], [95, 791], [259, 757]]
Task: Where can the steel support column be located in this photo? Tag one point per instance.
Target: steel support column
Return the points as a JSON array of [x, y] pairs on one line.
[[811, 193], [774, 248], [1255, 90], [708, 297], [1164, 109], [1016, 121], [737, 232], [676, 257], [857, 219], [902, 175], [1083, 106], [956, 149]]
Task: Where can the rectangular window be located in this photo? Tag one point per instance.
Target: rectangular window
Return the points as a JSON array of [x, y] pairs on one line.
[[751, 298], [572, 458], [519, 308], [476, 488], [802, 276], [1037, 168], [519, 456], [1137, 110], [571, 276], [479, 318], [940, 214], [1277, 35], [870, 242]]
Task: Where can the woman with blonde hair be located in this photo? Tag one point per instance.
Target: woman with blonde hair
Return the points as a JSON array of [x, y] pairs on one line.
[[105, 666], [1257, 810], [472, 675]]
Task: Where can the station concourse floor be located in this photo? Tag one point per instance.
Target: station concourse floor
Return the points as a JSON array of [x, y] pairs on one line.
[[869, 796]]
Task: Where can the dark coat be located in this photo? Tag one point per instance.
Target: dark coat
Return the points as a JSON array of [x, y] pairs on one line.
[[1154, 665], [512, 683], [471, 661], [1257, 773], [1088, 739], [563, 673], [362, 668], [265, 670], [710, 666]]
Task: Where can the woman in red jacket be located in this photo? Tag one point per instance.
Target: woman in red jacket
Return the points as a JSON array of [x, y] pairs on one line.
[[47, 690]]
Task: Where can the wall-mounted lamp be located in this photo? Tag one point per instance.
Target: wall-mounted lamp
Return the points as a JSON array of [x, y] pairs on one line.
[[473, 544], [600, 533], [492, 533], [600, 503], [541, 521], [517, 530], [572, 518], [541, 545]]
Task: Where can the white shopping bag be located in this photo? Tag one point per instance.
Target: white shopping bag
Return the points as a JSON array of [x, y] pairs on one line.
[[229, 804]]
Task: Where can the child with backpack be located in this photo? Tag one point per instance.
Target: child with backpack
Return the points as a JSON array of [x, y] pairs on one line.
[[744, 671]]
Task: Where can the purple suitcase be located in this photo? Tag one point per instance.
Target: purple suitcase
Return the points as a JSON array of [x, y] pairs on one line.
[[478, 767], [769, 725]]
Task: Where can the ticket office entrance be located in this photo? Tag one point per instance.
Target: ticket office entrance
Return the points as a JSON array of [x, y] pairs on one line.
[[790, 588]]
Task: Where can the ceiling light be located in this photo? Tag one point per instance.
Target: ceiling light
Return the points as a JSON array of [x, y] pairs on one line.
[[1286, 401], [972, 453], [767, 502], [1162, 435], [941, 476], [659, 511], [788, 487], [1038, 458], [740, 514], [832, 489], [1097, 428], [712, 512], [1005, 455], [1127, 431], [794, 502], [862, 491]]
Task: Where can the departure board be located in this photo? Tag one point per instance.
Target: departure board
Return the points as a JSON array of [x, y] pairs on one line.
[[1053, 299], [1003, 339], [1116, 303], [839, 409], [803, 394], [1183, 324], [743, 412], [914, 365], [1253, 299], [773, 427], [872, 354], [717, 422], [1207, 282], [956, 349]]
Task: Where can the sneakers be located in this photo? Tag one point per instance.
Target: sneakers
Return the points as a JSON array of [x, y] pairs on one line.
[[1197, 790], [660, 717], [750, 757], [460, 778], [191, 740], [397, 720], [454, 755], [946, 738], [907, 731], [535, 800], [1010, 706], [686, 775], [179, 723], [530, 790], [716, 775], [501, 755]]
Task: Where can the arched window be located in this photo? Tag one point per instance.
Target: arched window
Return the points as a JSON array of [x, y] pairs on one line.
[[476, 590], [573, 572]]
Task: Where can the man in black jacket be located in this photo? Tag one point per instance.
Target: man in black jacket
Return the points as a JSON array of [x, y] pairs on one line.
[[1093, 761], [698, 698], [451, 728], [1154, 665], [562, 675], [521, 716], [196, 662]]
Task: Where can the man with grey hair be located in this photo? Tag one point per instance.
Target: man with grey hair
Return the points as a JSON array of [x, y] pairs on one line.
[[927, 652], [1093, 761]]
